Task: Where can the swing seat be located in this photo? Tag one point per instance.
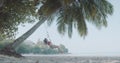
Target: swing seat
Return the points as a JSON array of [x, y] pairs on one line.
[[53, 46]]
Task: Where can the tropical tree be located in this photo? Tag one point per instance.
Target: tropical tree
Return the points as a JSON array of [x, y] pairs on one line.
[[14, 13], [71, 14]]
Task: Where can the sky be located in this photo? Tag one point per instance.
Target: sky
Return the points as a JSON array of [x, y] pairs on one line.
[[99, 41]]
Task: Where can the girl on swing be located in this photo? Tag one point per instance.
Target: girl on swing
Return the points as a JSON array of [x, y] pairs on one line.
[[50, 44]]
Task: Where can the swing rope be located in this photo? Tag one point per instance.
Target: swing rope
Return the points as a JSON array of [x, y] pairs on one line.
[[46, 29], [48, 36]]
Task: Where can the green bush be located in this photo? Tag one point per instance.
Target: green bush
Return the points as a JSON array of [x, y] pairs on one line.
[[29, 47]]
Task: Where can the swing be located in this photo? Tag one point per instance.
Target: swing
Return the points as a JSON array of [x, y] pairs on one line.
[[49, 43]]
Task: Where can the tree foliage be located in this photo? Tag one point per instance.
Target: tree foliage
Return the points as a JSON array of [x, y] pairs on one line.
[[13, 13], [70, 13], [74, 14]]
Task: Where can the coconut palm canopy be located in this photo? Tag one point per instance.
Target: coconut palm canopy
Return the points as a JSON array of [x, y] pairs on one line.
[[70, 13], [74, 14]]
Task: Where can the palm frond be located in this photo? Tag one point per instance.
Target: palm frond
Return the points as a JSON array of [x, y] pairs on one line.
[[75, 13], [49, 7]]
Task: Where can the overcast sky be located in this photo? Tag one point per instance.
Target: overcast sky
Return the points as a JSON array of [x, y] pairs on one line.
[[104, 41]]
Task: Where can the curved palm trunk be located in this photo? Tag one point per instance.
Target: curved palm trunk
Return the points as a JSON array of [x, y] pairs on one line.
[[21, 39], [10, 49]]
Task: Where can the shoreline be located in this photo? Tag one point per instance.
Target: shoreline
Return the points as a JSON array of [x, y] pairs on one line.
[[73, 55]]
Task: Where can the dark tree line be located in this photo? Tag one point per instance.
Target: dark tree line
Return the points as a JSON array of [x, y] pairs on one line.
[[29, 47]]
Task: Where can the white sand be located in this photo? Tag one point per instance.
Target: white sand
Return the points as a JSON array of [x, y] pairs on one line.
[[59, 59]]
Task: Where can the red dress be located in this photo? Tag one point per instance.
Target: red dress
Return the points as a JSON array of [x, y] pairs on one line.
[[49, 43]]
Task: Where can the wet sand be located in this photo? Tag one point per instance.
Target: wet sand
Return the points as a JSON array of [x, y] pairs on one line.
[[60, 59]]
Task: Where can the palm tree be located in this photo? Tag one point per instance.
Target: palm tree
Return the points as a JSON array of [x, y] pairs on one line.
[[71, 14]]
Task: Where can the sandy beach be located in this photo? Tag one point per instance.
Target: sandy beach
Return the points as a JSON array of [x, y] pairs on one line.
[[59, 59]]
